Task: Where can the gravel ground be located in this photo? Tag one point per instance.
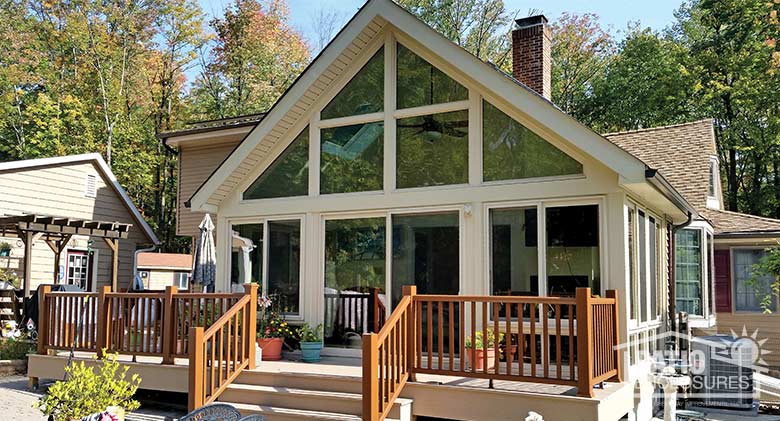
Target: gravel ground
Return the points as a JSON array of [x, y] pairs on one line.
[[16, 404]]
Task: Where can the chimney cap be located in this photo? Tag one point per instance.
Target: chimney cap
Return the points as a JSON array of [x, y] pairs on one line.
[[531, 21]]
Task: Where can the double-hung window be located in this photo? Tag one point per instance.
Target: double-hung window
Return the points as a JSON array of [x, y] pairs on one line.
[[752, 293]]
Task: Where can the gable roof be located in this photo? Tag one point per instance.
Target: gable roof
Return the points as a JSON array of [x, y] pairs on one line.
[[206, 126], [97, 160], [328, 66], [681, 152]]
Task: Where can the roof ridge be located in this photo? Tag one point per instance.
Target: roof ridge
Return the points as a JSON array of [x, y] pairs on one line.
[[649, 129]]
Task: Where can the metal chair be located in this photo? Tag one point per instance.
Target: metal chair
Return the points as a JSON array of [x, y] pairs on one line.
[[219, 412]]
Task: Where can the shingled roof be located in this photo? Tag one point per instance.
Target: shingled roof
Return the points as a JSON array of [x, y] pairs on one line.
[[681, 153], [727, 223]]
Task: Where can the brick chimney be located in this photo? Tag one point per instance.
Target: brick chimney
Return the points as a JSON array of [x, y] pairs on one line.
[[531, 54]]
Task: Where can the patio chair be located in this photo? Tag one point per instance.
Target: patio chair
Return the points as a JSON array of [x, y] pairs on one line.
[[219, 412]]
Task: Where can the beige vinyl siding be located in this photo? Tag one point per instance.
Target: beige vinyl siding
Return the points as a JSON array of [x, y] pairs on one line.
[[158, 278], [768, 326], [60, 191], [196, 163]]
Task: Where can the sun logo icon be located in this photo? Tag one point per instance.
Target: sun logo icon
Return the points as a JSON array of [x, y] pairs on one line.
[[751, 343]]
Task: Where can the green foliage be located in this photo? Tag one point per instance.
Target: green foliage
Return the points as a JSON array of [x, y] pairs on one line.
[[15, 349], [307, 333], [10, 276], [479, 339], [87, 392], [769, 265], [271, 323]]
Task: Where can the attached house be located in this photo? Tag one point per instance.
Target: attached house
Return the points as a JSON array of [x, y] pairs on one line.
[[68, 221], [397, 158], [715, 253]]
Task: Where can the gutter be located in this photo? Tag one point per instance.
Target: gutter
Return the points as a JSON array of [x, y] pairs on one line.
[[658, 181], [135, 262]]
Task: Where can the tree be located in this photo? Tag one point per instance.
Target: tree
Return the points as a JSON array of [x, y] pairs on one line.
[[581, 50], [256, 56], [479, 26]]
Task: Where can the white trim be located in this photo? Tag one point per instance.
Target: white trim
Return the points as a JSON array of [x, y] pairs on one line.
[[105, 171], [446, 107], [630, 169], [390, 147], [351, 120], [476, 137], [315, 145]]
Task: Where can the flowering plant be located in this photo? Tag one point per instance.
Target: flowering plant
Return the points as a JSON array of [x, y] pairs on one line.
[[271, 323]]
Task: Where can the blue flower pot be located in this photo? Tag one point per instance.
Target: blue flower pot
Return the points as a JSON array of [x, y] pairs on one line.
[[311, 351]]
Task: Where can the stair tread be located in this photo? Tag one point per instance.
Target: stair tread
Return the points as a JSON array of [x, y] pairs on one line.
[[302, 413], [306, 392]]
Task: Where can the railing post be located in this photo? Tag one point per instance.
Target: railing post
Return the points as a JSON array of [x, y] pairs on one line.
[[250, 323], [43, 319], [169, 325], [584, 343], [103, 320], [411, 346], [196, 369], [370, 378], [611, 293]]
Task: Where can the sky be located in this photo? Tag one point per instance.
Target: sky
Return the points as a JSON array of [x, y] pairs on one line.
[[616, 14]]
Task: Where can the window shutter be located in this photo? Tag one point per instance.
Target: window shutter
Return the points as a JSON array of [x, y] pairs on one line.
[[722, 281], [90, 186]]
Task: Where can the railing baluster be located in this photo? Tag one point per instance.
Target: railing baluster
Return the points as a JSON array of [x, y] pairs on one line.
[[440, 333], [532, 339], [545, 340], [558, 341], [508, 341], [520, 339], [451, 335], [430, 334], [462, 335], [496, 339]]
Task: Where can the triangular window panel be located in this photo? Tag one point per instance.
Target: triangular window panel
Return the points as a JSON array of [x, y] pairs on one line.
[[511, 151], [288, 175], [420, 83], [364, 94]]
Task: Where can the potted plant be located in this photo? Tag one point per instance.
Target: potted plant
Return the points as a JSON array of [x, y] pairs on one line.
[[476, 351], [5, 249], [87, 392], [272, 329], [311, 342]]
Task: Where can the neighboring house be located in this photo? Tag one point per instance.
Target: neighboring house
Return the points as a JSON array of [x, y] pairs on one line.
[[69, 203], [159, 270], [715, 253], [399, 158]]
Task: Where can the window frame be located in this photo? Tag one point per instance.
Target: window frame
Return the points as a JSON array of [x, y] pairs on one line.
[[541, 236], [733, 275], [177, 277], [299, 316], [650, 321]]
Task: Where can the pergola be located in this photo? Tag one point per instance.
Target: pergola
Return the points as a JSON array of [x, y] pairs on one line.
[[56, 232]]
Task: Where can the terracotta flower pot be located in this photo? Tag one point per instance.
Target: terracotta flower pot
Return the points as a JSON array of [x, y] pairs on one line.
[[272, 348], [476, 359]]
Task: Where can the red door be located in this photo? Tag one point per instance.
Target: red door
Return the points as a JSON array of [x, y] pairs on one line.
[[722, 281]]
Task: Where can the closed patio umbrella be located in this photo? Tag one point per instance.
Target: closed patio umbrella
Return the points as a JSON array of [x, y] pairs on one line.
[[204, 269]]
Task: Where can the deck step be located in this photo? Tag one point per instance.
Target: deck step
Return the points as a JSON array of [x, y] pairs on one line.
[[311, 381], [305, 399], [273, 413]]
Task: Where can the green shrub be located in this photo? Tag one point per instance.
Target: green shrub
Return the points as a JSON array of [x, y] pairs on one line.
[[307, 333], [15, 349], [86, 392], [492, 339]]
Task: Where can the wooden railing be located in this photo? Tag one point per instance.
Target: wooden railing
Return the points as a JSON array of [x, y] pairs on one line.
[[558, 340], [386, 359], [219, 353], [134, 323]]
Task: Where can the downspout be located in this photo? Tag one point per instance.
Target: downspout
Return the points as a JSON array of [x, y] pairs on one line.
[[135, 260]]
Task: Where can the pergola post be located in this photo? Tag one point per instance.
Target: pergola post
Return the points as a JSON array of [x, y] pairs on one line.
[[113, 244], [27, 238]]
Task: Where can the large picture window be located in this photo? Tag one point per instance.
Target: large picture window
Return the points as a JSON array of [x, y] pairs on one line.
[[351, 158], [363, 94], [433, 150], [514, 268], [750, 290], [573, 258], [420, 83]]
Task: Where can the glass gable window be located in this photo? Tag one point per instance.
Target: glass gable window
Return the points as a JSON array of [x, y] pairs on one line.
[[284, 263], [288, 175], [364, 94], [432, 150], [688, 271], [354, 272], [511, 151], [351, 158], [749, 290], [420, 83], [514, 252], [572, 249]]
